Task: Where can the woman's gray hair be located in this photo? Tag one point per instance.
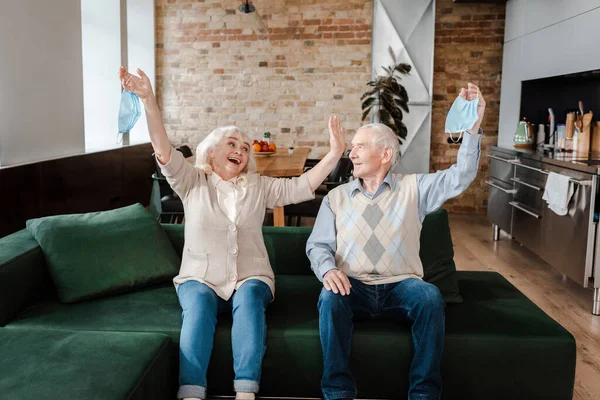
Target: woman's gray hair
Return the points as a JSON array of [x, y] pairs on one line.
[[384, 136], [213, 138]]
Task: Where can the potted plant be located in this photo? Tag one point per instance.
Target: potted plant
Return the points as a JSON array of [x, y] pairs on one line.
[[387, 98]]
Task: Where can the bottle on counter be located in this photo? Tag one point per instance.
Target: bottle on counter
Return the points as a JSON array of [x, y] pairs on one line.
[[541, 137]]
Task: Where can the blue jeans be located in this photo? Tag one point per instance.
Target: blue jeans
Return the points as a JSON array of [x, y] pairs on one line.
[[201, 305], [412, 300]]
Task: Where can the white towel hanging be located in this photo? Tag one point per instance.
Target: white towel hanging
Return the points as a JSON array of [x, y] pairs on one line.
[[558, 192]]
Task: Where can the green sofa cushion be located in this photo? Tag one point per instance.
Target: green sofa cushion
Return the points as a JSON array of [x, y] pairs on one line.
[[107, 252], [45, 364], [497, 338]]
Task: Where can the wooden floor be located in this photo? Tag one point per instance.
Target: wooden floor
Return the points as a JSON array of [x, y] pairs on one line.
[[562, 299]]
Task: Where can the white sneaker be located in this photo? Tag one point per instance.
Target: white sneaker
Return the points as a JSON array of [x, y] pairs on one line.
[[244, 396]]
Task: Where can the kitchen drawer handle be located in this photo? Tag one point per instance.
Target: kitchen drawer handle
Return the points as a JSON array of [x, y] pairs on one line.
[[575, 181], [519, 164], [518, 206], [517, 180], [507, 191], [500, 159]]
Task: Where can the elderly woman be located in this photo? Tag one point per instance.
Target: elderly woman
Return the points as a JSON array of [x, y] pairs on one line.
[[225, 267]]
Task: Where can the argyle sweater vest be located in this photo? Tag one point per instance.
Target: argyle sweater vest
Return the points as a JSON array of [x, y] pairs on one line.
[[378, 240]]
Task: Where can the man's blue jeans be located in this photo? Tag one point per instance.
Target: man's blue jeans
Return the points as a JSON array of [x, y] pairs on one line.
[[201, 305], [412, 300]]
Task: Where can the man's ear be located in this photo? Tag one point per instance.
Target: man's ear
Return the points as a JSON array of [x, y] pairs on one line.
[[387, 155]]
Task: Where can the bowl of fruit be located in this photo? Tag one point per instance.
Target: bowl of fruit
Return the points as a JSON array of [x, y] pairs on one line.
[[263, 149]]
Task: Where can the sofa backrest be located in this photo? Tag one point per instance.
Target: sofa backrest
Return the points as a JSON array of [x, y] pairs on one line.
[[286, 246], [24, 276]]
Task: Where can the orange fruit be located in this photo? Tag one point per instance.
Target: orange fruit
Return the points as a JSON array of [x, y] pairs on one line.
[[256, 147], [272, 147]]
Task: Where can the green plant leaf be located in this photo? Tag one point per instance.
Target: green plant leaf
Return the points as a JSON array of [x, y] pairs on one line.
[[400, 91], [403, 68], [387, 101], [369, 93], [391, 51], [384, 117], [402, 131], [401, 104], [366, 113], [396, 114], [368, 102]]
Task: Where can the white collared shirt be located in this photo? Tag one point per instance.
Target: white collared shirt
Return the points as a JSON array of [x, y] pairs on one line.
[[229, 195]]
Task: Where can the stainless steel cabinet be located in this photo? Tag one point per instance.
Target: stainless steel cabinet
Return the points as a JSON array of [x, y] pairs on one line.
[[500, 192], [565, 243], [569, 243], [528, 204]]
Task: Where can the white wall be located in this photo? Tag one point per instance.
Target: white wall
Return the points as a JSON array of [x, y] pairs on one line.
[[103, 42], [101, 32], [140, 53], [408, 27], [544, 38], [59, 88], [41, 90]]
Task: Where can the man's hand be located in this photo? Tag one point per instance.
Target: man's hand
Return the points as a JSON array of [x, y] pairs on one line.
[[471, 93], [336, 280]]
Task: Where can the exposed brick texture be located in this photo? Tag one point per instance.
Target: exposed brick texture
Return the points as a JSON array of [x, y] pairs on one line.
[[213, 69], [468, 46]]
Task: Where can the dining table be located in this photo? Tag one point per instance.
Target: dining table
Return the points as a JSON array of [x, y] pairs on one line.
[[282, 164]]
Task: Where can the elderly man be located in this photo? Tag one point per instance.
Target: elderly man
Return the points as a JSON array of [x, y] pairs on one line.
[[370, 274]]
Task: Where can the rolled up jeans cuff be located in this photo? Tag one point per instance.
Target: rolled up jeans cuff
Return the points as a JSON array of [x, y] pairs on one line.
[[245, 386], [191, 391], [424, 397]]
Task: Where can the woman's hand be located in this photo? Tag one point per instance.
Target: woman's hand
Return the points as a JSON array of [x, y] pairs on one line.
[[142, 88], [141, 85], [337, 142], [337, 136]]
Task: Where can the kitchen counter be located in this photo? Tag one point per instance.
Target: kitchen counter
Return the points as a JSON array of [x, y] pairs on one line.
[[588, 163]]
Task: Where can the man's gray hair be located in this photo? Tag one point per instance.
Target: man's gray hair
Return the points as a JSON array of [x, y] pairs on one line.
[[213, 138], [384, 136]]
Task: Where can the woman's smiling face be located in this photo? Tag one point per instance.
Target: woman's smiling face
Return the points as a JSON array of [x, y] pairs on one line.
[[230, 156]]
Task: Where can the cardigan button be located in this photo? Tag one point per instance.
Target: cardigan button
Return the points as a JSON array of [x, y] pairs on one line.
[[232, 277], [232, 228], [233, 250]]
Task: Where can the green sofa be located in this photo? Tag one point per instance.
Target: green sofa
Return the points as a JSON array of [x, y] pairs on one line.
[[499, 345]]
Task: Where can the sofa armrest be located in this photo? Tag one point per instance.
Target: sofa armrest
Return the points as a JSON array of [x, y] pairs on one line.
[[23, 274]]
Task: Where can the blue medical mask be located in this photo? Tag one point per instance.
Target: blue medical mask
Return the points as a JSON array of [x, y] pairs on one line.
[[462, 115], [129, 112]]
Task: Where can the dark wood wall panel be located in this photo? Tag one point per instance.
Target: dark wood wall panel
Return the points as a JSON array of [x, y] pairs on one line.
[[78, 184]]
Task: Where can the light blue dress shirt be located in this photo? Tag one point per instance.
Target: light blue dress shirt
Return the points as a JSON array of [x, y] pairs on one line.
[[433, 190]]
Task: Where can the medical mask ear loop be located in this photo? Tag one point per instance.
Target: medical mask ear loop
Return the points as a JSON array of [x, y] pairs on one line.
[[460, 136]]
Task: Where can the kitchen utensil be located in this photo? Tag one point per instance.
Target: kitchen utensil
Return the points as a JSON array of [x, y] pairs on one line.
[[570, 125], [584, 135]]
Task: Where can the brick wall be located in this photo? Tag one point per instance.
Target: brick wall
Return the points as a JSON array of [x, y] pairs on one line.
[[468, 46], [213, 69]]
